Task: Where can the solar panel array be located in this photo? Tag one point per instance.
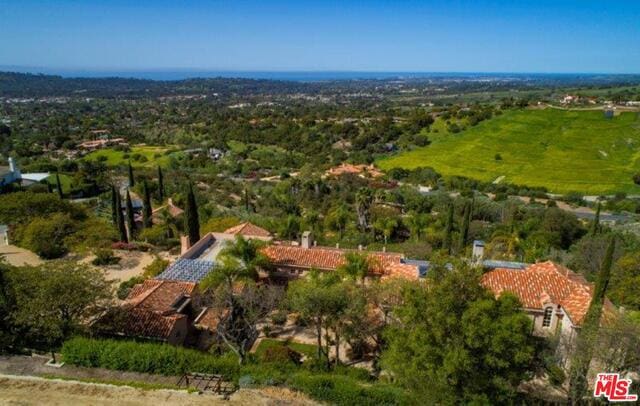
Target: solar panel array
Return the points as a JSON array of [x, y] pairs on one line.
[[187, 270]]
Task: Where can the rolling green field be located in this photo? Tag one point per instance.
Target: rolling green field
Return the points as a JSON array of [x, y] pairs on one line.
[[141, 155], [562, 150]]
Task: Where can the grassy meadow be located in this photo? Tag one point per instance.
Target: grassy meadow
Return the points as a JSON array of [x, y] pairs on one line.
[[562, 150], [140, 155]]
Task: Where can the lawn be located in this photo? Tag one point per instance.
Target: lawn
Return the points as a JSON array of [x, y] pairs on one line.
[[65, 181], [564, 151], [141, 155]]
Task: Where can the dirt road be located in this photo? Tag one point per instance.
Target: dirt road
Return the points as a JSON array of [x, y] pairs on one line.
[[27, 390]]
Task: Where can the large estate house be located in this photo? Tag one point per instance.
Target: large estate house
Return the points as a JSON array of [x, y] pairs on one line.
[[168, 308]]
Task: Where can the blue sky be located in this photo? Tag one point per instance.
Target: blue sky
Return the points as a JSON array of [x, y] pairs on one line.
[[461, 36]]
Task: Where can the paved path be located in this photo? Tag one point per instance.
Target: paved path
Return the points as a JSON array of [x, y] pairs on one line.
[[17, 256]]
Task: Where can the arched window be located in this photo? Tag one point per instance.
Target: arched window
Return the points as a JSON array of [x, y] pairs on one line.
[[548, 313]]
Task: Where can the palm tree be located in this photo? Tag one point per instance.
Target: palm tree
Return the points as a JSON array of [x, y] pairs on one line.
[[364, 199], [356, 266], [248, 253], [386, 225], [338, 218]]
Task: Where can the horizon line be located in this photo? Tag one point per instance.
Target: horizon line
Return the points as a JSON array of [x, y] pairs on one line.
[[34, 69]]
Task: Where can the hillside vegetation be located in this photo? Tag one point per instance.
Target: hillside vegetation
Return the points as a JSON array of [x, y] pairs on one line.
[[562, 150]]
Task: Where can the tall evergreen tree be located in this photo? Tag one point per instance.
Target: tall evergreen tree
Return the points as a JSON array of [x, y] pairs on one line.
[[246, 199], [466, 221], [595, 225], [448, 234], [131, 223], [59, 185], [114, 209], [120, 219], [160, 184], [132, 181], [191, 220], [588, 335], [147, 209]]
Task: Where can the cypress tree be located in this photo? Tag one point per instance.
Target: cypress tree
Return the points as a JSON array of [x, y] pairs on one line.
[[120, 219], [132, 181], [448, 236], [588, 335], [464, 231], [246, 199], [131, 223], [147, 210], [160, 185], [191, 220], [114, 209], [58, 185], [595, 225]]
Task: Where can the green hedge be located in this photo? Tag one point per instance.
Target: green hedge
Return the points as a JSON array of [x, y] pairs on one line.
[[343, 386], [145, 357]]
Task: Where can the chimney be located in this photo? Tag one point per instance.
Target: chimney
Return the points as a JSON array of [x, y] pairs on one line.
[[14, 168], [478, 251], [184, 244], [307, 239]]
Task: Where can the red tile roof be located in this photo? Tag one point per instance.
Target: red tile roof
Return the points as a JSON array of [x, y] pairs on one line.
[[150, 311], [384, 264], [542, 283], [248, 230]]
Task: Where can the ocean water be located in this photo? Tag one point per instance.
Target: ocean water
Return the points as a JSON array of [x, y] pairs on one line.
[[301, 76]]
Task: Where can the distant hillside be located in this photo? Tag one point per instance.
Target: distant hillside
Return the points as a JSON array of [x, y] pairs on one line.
[[14, 84], [562, 150]]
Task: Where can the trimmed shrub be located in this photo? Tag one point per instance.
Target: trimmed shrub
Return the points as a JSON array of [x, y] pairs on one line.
[[151, 358], [105, 257]]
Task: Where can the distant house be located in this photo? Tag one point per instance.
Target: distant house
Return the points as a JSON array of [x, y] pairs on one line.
[[212, 153], [11, 174], [568, 99], [94, 145], [248, 230]]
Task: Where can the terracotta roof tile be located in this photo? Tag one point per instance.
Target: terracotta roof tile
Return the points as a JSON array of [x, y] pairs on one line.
[[542, 283], [248, 230], [150, 307], [384, 264]]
